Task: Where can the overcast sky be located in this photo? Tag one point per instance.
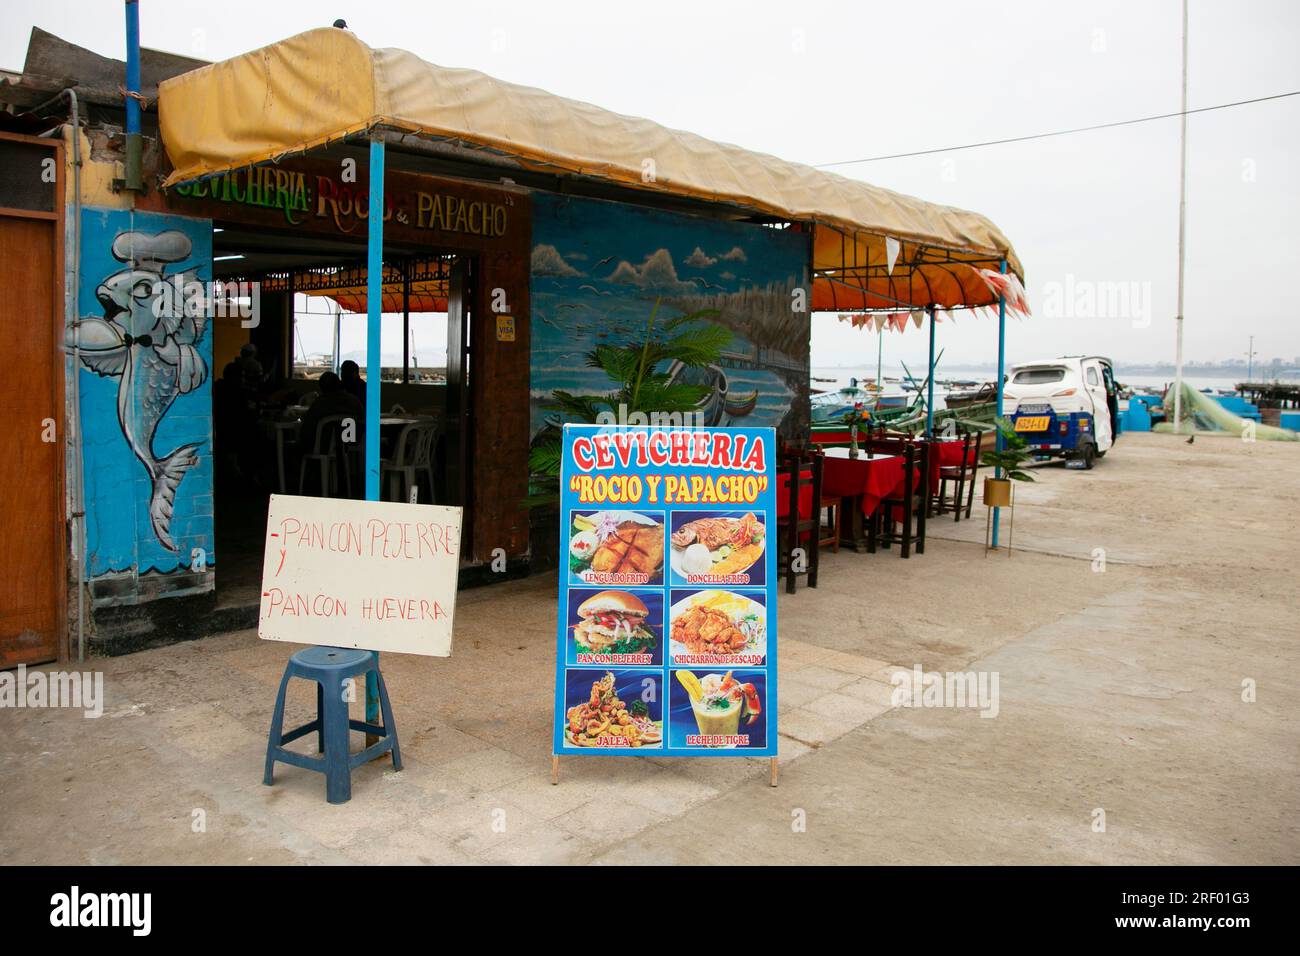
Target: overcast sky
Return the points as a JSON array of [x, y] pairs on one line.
[[823, 82]]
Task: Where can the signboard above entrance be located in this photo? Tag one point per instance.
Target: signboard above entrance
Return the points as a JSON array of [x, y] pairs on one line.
[[332, 197]]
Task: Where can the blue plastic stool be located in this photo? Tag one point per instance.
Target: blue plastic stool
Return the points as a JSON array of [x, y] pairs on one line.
[[329, 667]]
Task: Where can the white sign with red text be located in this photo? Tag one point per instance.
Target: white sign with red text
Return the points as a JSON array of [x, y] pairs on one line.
[[376, 575]]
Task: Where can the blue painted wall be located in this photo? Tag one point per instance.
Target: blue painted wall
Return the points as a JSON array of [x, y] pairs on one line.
[[597, 268], [167, 371]]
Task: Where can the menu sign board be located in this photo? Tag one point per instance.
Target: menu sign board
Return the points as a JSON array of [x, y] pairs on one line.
[[667, 596], [378, 575]]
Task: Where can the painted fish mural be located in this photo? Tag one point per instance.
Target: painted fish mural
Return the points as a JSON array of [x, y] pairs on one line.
[[147, 339]]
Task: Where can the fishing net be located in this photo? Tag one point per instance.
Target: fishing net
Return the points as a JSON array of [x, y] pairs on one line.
[[1202, 415]]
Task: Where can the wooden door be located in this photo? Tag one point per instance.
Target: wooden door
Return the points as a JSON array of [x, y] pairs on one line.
[[32, 544]]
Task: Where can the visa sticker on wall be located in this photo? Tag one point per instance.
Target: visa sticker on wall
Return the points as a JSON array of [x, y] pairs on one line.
[[667, 628]]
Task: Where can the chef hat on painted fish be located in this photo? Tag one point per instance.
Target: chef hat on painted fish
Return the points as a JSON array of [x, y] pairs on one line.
[[151, 251]]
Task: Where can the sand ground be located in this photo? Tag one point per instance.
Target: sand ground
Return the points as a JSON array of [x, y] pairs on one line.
[[1120, 703]]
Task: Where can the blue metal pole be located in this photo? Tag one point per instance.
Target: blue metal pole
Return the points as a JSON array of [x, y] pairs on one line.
[[1002, 361], [929, 400], [134, 178], [132, 65], [374, 362]]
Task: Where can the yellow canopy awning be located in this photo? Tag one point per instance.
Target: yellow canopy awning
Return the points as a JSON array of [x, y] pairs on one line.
[[322, 85]]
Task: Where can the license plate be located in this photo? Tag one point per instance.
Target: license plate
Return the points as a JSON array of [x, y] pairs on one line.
[[1034, 409], [1032, 423]]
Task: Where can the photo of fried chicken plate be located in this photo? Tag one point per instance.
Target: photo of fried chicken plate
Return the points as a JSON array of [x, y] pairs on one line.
[[704, 630]]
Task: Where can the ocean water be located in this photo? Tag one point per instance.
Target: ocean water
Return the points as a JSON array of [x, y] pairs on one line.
[[840, 377]]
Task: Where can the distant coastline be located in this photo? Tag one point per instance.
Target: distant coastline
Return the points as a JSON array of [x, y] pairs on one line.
[[1228, 370]]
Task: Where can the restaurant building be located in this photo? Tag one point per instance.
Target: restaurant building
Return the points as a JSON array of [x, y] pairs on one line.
[[520, 231]]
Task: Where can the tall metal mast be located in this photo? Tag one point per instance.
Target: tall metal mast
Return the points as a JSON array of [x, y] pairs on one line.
[[1182, 243]]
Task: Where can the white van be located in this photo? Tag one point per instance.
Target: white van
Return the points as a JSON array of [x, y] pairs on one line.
[[1064, 407]]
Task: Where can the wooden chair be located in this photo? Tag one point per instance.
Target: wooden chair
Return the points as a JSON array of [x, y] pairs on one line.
[[984, 441], [829, 532], [793, 527], [912, 499], [960, 475]]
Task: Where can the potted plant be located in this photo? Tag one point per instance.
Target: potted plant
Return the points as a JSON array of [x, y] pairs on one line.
[[1010, 456]]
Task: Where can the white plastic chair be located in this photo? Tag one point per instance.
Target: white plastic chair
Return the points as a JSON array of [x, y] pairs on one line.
[[325, 455], [412, 459]]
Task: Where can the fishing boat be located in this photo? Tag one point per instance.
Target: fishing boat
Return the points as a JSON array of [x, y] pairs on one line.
[[713, 405], [741, 405], [910, 421], [710, 409], [833, 406], [963, 398]]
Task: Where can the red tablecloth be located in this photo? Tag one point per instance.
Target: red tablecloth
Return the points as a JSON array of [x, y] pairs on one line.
[[871, 476], [836, 437], [783, 494]]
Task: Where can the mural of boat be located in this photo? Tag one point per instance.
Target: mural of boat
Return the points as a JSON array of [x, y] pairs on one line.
[[713, 405], [741, 405]]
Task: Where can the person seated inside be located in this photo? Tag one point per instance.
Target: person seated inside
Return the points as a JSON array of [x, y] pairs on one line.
[[253, 374], [353, 383], [332, 400], [234, 425]]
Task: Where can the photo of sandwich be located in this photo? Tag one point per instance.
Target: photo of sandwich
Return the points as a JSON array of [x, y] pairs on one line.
[[616, 547], [723, 548], [612, 625]]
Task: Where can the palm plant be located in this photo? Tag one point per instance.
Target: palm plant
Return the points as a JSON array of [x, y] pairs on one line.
[[638, 372], [1010, 455]]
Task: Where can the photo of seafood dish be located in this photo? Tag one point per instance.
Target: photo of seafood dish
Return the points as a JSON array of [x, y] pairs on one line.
[[604, 720], [710, 627], [613, 628], [616, 547], [718, 549], [718, 703]]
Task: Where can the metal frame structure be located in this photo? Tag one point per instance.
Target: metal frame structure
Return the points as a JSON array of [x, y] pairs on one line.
[[946, 259]]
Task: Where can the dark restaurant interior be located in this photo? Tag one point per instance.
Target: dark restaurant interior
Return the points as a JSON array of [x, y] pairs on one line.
[[289, 381]]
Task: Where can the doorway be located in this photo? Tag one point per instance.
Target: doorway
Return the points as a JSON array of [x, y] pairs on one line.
[[311, 325], [32, 537]]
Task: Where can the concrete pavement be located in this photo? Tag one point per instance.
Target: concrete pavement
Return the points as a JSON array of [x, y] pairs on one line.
[[1121, 734]]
